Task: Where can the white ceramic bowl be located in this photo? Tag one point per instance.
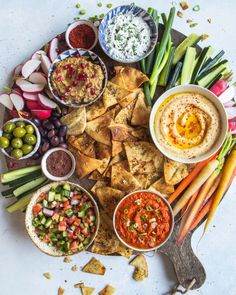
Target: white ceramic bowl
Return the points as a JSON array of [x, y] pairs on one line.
[[211, 97], [77, 23], [44, 165], [172, 222], [37, 134]]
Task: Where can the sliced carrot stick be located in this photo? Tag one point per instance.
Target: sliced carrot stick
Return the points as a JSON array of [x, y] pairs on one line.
[[202, 213], [182, 186], [190, 202]]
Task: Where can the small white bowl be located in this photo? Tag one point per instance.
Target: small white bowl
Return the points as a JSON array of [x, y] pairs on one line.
[[211, 97], [44, 165], [77, 23], [38, 137], [172, 221]]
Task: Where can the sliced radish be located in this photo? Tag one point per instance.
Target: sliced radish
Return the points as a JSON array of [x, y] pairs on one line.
[[33, 105], [53, 49], [17, 91], [38, 54], [30, 96], [49, 93], [45, 102], [232, 125], [219, 87], [17, 70], [26, 86], [41, 114], [6, 101], [17, 101], [15, 114], [227, 95], [229, 104], [231, 112], [29, 67], [37, 78], [45, 64]]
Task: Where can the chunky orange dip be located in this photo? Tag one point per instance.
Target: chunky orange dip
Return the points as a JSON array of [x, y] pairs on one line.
[[143, 220]]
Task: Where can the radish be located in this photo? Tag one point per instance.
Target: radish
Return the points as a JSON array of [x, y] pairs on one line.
[[230, 103], [17, 101], [37, 78], [38, 54], [17, 91], [227, 95], [53, 49], [49, 93], [17, 70], [219, 87], [15, 114], [6, 101], [33, 105], [29, 67], [45, 64], [231, 112], [30, 96], [41, 114], [45, 102], [26, 86]]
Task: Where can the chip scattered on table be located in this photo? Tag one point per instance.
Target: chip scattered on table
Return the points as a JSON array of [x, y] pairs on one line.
[[108, 290], [94, 266], [141, 268]]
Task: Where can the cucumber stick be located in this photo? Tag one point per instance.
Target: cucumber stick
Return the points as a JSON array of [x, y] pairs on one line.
[[29, 186], [18, 173], [20, 204], [188, 66], [175, 75], [191, 40], [25, 178]]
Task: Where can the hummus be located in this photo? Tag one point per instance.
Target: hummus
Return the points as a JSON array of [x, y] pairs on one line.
[[77, 80], [187, 125]]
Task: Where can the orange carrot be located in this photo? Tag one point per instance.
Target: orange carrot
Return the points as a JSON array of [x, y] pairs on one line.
[[190, 202], [202, 213], [182, 186]]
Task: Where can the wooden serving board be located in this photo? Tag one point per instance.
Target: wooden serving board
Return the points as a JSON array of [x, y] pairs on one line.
[[186, 264]]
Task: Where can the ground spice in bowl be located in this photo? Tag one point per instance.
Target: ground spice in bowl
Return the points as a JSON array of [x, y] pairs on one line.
[[82, 36], [59, 163]]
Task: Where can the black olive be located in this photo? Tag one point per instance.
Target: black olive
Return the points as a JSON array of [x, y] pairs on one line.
[[62, 130], [54, 141], [36, 122]]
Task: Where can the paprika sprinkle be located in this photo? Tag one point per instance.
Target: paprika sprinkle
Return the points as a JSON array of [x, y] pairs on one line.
[[82, 36]]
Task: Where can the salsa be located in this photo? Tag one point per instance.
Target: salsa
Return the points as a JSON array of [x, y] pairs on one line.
[[65, 218], [59, 163], [143, 220], [82, 36]]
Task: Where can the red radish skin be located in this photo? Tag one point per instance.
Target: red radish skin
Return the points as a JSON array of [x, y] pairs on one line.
[[38, 78], [53, 49], [38, 54], [219, 87], [17, 91], [45, 102], [33, 105], [28, 87], [41, 114], [17, 101], [30, 96], [29, 67], [6, 101], [17, 70], [45, 64]]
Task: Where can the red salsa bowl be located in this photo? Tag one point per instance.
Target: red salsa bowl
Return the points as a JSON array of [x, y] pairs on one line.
[[143, 220]]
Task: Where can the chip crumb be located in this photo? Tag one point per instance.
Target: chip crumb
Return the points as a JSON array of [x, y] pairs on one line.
[[184, 5], [67, 259], [79, 285], [47, 275], [180, 14], [189, 21], [74, 268], [205, 36], [209, 20], [61, 291], [193, 25]]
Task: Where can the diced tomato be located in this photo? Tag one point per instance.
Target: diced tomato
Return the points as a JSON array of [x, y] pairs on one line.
[[74, 245], [71, 219], [36, 209], [76, 197], [55, 216], [85, 232], [62, 226], [70, 235], [77, 231], [41, 197], [66, 203], [76, 222]]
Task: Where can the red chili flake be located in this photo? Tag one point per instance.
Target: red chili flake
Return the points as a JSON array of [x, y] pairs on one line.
[[83, 66], [82, 36], [89, 85], [75, 82], [92, 91], [59, 78]]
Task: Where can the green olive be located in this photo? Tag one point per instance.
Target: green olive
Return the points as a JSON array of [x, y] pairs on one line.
[[8, 135], [4, 142], [19, 132], [9, 127], [29, 129], [17, 143], [17, 153], [30, 139], [20, 124], [26, 149], [9, 149]]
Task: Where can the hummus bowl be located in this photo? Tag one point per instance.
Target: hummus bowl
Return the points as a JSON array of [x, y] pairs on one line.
[[77, 77], [188, 124]]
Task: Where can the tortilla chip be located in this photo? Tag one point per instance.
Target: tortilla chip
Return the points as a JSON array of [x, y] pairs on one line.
[[143, 157], [102, 150], [114, 160], [109, 198], [123, 132], [108, 290], [98, 128], [127, 100], [99, 183], [124, 115], [85, 164], [123, 180], [104, 165], [87, 290], [125, 252], [160, 186], [84, 143], [174, 171], [95, 175], [116, 147], [112, 93], [141, 112], [141, 267], [94, 266], [75, 121], [95, 110]]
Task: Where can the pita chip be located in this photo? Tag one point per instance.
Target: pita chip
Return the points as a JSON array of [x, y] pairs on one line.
[[95, 110], [84, 143], [141, 112], [75, 121], [141, 267], [102, 150], [104, 165], [112, 93], [94, 266], [99, 183], [174, 171], [108, 290], [160, 186], [123, 132], [85, 164], [116, 147]]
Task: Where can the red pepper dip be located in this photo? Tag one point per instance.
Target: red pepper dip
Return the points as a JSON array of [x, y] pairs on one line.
[[82, 36], [143, 220]]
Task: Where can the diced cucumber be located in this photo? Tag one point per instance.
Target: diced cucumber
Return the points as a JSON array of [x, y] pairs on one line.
[[80, 247], [86, 241], [66, 186], [190, 41], [45, 203], [188, 65], [175, 75], [66, 193], [43, 220], [48, 222], [51, 196], [29, 186], [58, 197], [24, 179], [61, 218], [20, 204], [18, 173]]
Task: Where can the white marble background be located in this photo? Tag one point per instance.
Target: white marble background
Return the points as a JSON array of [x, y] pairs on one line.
[[24, 26]]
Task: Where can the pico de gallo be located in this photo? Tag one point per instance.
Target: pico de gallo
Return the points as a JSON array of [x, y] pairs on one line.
[[65, 218], [143, 220]]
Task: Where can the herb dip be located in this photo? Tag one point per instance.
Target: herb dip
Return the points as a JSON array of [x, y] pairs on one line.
[[127, 36]]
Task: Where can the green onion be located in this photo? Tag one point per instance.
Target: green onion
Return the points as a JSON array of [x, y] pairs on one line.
[[102, 15], [193, 25], [126, 211], [77, 5], [109, 5], [196, 8], [83, 12], [99, 4], [148, 208], [77, 18]]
